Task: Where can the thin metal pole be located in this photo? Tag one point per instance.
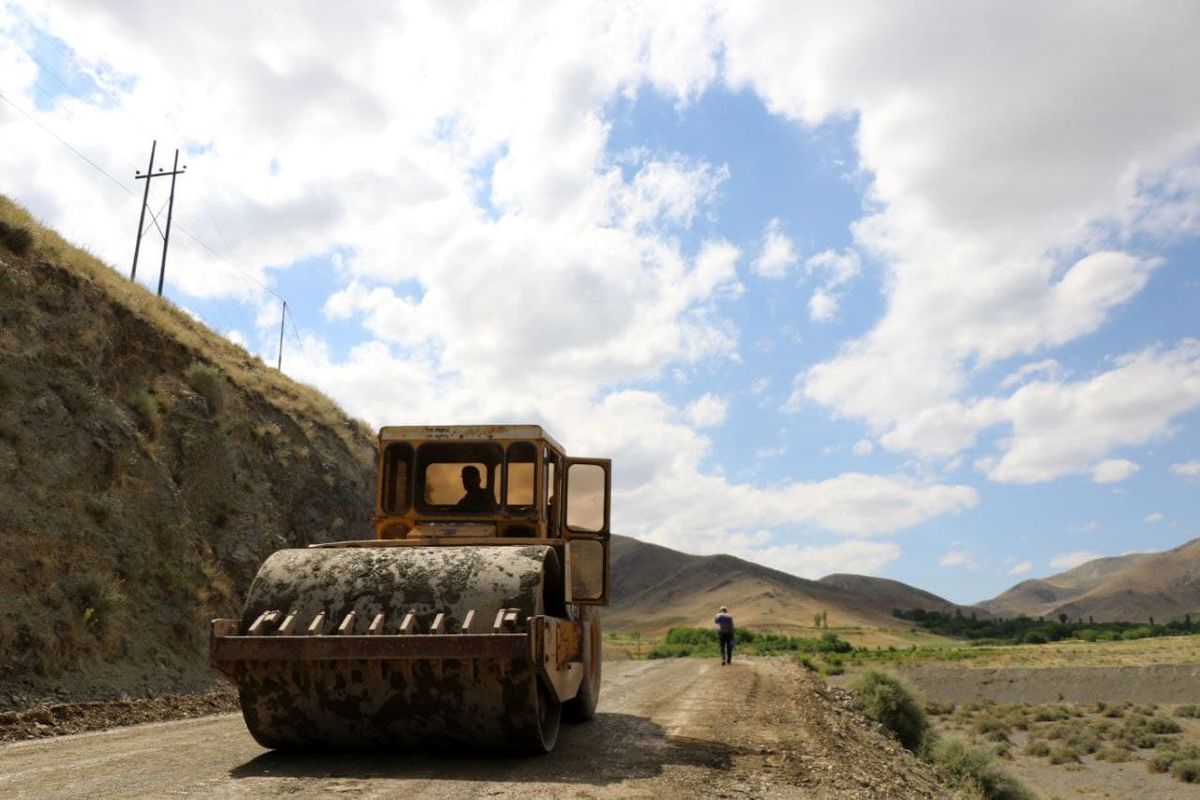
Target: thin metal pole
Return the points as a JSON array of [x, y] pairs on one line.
[[142, 219], [282, 319], [162, 272]]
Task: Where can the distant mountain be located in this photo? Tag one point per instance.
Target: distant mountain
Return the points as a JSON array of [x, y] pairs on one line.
[[888, 594], [655, 588], [1132, 587], [1042, 596]]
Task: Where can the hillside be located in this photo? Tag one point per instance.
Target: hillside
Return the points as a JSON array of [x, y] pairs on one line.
[[1132, 587], [655, 588], [147, 466], [1161, 585], [885, 593], [1042, 596]]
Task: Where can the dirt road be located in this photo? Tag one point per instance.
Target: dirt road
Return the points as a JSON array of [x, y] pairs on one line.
[[683, 727]]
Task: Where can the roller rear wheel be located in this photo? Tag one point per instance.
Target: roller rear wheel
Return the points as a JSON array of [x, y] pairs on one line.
[[582, 706]]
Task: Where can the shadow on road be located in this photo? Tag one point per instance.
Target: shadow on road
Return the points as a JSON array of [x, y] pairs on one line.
[[609, 749]]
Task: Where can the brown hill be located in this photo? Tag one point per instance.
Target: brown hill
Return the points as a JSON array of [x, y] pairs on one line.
[[1039, 597], [888, 594], [1164, 586], [147, 466], [655, 588], [1132, 587]]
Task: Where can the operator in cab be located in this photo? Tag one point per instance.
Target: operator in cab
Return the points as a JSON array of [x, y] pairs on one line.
[[476, 498]]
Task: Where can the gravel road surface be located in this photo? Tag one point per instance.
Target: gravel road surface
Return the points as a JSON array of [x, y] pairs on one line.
[[671, 728]]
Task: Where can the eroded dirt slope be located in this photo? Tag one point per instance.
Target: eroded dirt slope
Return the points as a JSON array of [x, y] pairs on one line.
[[147, 466]]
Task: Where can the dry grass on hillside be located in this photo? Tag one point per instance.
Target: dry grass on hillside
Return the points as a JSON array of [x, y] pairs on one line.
[[245, 370]]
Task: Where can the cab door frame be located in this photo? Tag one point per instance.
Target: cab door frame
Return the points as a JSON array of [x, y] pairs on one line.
[[579, 535]]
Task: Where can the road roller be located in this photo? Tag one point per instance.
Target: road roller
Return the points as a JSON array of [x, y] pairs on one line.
[[470, 619]]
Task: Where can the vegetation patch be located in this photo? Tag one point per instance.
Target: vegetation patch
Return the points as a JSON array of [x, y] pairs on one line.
[[682, 642], [1068, 734], [16, 238], [973, 771], [209, 383], [96, 598], [889, 702], [1027, 630]]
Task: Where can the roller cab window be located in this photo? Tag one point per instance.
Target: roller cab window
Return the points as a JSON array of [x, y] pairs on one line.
[[458, 477], [586, 528], [473, 479], [395, 496]]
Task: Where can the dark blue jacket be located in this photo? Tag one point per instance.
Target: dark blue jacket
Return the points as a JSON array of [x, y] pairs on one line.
[[724, 623]]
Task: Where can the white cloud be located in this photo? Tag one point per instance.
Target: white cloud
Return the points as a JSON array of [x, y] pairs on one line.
[[815, 561], [777, 255], [1154, 518], [1066, 561], [1091, 526], [708, 410], [1114, 470], [1049, 368], [1021, 568], [505, 265], [776, 451], [822, 306], [1002, 218], [834, 270], [1060, 427], [957, 558], [863, 447], [1187, 469], [943, 430]]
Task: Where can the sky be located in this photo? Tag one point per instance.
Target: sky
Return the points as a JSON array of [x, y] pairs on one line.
[[906, 290]]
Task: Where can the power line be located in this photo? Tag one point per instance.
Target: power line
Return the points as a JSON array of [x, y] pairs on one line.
[[154, 216], [299, 340], [65, 144]]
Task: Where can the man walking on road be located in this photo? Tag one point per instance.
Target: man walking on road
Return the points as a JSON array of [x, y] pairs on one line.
[[725, 635]]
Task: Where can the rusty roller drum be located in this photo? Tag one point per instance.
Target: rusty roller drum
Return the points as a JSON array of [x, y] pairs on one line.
[[484, 701]]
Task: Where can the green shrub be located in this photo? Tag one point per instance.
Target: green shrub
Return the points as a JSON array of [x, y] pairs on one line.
[[935, 709], [1113, 755], [1161, 724], [891, 703], [16, 238], [1064, 754], [695, 636], [96, 597], [209, 383], [1188, 711], [973, 770], [1161, 761], [1050, 714], [145, 409], [1187, 770], [1037, 747]]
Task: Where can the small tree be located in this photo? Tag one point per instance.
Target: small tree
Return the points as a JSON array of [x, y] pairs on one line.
[[817, 620], [1063, 618]]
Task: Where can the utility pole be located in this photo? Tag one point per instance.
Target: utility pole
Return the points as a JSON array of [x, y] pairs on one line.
[[162, 271], [282, 319], [137, 245], [150, 173]]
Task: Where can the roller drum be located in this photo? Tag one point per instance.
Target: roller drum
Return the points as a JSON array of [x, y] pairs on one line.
[[486, 702]]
